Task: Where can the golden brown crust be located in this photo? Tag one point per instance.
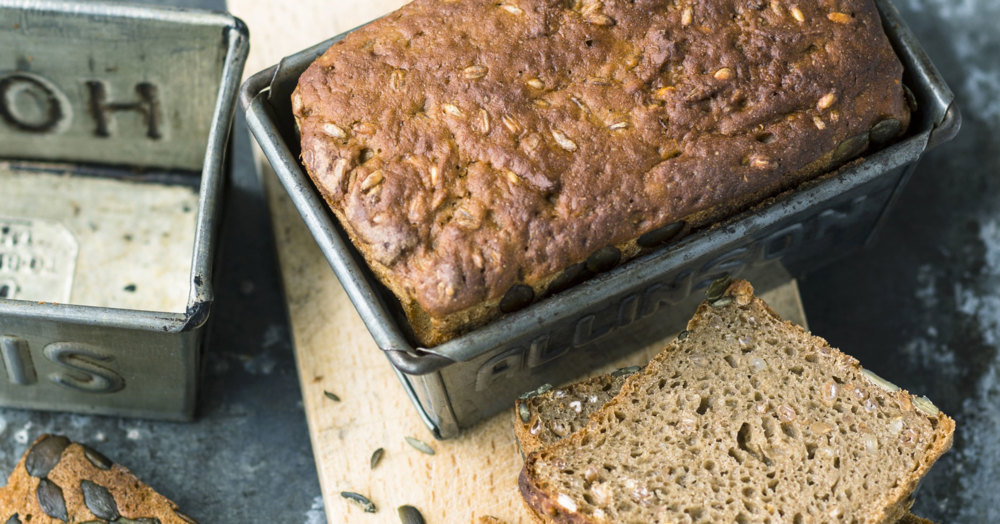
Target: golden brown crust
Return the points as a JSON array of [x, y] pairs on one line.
[[72, 476], [471, 146]]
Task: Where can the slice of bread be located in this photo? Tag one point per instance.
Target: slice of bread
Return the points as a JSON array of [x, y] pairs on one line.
[[746, 418], [61, 481]]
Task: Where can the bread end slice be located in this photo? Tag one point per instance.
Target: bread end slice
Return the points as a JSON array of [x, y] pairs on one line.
[[746, 418]]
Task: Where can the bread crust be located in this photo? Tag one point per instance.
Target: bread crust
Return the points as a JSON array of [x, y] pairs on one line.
[[67, 468], [519, 139]]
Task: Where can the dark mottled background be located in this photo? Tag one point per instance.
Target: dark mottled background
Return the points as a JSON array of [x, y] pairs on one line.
[[920, 306]]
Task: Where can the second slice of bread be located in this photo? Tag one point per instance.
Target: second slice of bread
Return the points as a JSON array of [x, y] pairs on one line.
[[747, 419]]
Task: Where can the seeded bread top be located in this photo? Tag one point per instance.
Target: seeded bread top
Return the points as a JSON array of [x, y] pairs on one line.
[[468, 146], [59, 481], [746, 418]]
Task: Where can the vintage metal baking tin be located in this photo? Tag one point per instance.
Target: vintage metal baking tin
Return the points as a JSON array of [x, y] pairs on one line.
[[455, 384], [114, 121]]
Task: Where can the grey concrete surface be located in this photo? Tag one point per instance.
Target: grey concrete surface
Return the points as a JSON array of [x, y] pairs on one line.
[[920, 306]]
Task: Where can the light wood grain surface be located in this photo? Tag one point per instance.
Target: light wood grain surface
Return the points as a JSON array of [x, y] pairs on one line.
[[467, 477]]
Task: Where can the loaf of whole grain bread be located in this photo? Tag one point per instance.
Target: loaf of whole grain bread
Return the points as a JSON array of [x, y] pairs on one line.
[[482, 154]]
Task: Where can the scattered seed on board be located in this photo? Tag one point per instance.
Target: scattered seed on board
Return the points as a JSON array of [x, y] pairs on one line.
[[360, 500], [410, 515], [376, 457], [420, 445], [331, 396]]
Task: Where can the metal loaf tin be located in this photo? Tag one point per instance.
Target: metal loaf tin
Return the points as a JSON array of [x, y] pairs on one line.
[[457, 383], [103, 93]]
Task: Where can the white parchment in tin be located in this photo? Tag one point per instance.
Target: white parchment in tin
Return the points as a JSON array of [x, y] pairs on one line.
[[96, 241]]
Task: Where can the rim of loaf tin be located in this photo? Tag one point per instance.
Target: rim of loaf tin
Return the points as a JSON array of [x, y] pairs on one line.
[[265, 97], [232, 48]]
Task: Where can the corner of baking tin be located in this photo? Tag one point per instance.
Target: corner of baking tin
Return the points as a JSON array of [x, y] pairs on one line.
[[947, 128], [196, 314]]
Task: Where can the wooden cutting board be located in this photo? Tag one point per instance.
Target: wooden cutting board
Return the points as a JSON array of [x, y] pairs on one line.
[[467, 477]]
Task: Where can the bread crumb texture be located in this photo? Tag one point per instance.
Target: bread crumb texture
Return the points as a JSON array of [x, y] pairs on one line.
[[747, 419]]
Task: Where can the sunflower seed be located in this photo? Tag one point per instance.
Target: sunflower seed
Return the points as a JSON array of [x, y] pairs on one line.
[[45, 455], [14, 519], [563, 140], [50, 498], [372, 180], [376, 457], [512, 124], [624, 372], [604, 259], [885, 130], [331, 396], [512, 9], [452, 110], [475, 72], [409, 515], [724, 74], [517, 297], [850, 148], [797, 14], [367, 505], [396, 79], [601, 19], [618, 125], [99, 500], [420, 445], [484, 122], [717, 288], [96, 458], [839, 18], [524, 412], [687, 16], [535, 83], [334, 131], [826, 101], [661, 235], [185, 518]]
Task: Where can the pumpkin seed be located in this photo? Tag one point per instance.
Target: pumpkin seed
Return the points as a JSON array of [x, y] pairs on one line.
[[409, 515], [724, 301], [50, 498], [879, 381], [718, 288], [604, 259], [661, 235], [45, 455], [99, 500], [185, 518], [96, 458], [535, 392], [850, 148], [885, 130], [572, 276], [623, 372], [517, 297], [420, 445], [924, 404], [524, 412], [911, 99], [376, 457], [332, 396], [367, 505], [143, 520], [683, 335], [14, 519]]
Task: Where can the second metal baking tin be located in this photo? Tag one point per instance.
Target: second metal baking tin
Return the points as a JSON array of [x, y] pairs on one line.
[[101, 105], [464, 380]]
